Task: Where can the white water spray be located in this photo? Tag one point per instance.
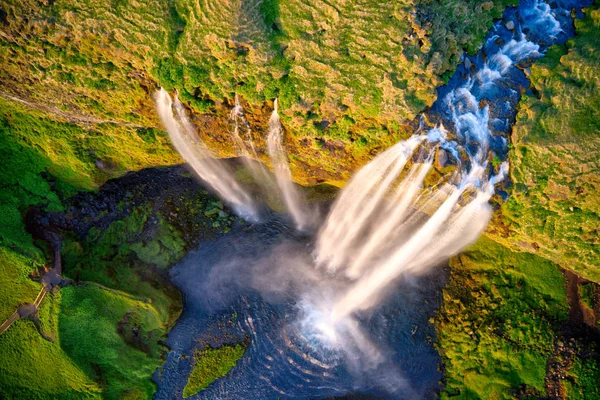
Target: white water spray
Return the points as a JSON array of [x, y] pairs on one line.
[[197, 155], [303, 215]]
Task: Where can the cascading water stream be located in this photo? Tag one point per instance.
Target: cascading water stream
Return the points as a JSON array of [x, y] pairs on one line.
[[197, 155], [303, 215], [250, 158], [380, 229]]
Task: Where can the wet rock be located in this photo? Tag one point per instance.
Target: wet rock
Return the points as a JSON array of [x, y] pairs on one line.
[[510, 25]]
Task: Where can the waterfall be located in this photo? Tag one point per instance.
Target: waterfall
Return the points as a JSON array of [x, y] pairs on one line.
[[195, 152], [384, 225], [387, 222], [303, 216], [257, 170]]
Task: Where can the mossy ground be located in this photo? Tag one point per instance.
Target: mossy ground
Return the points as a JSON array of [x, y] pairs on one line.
[[79, 61], [349, 77], [496, 327], [503, 329], [211, 364], [46, 159]]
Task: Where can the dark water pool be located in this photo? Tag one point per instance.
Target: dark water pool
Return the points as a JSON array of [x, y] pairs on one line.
[[281, 361]]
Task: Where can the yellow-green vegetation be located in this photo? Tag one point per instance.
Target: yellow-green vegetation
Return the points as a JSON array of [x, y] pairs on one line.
[[584, 377], [554, 208], [587, 293], [362, 60], [75, 110], [45, 159], [349, 76], [497, 323], [91, 57], [31, 367], [211, 364]]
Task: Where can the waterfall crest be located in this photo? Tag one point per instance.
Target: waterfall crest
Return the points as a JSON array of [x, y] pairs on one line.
[[384, 225]]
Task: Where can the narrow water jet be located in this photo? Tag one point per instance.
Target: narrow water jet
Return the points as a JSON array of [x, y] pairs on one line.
[[302, 214], [257, 170], [195, 152]]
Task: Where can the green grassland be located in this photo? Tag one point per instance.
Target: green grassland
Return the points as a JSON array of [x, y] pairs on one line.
[[107, 329], [496, 327], [211, 364], [505, 301], [585, 375], [45, 160], [554, 208], [87, 326], [34, 368]]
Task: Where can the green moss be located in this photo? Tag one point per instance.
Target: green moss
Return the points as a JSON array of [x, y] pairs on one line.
[[497, 323], [585, 375], [374, 64], [210, 365], [46, 159], [587, 294], [165, 248], [104, 257]]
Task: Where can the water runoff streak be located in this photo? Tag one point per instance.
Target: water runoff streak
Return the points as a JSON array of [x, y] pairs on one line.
[[303, 215], [189, 145]]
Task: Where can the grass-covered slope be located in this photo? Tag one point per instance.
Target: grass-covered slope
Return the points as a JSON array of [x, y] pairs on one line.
[[34, 368], [554, 209], [45, 160], [349, 76], [506, 328], [42, 161], [103, 333], [90, 322], [91, 57]]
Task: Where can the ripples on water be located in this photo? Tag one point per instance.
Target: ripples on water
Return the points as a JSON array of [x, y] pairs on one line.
[[284, 359]]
